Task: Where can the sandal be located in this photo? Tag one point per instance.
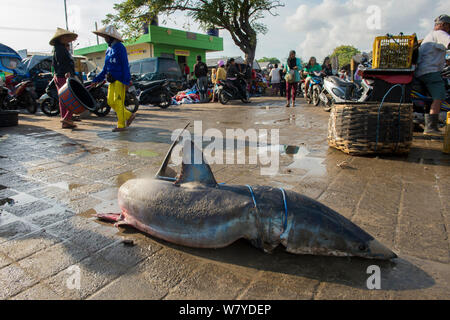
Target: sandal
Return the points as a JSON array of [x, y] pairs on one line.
[[67, 125], [132, 117], [119, 129]]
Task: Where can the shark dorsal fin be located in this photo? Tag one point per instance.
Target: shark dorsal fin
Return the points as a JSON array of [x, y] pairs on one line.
[[165, 173], [194, 167]]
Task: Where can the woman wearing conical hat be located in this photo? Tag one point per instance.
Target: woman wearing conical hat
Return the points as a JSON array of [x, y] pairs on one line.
[[117, 73], [64, 67]]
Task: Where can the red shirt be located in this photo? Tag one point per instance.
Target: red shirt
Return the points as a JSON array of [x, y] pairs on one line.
[[187, 70]]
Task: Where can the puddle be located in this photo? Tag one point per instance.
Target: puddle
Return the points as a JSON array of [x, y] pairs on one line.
[[143, 153], [66, 186], [124, 177], [304, 161], [88, 214], [69, 144], [230, 123]]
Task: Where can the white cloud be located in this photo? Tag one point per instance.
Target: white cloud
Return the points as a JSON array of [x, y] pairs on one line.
[[330, 23]]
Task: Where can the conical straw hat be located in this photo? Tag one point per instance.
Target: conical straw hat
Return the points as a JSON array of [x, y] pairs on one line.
[[109, 31], [62, 32]]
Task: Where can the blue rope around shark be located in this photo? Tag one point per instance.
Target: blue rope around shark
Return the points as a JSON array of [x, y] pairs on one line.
[[284, 202]]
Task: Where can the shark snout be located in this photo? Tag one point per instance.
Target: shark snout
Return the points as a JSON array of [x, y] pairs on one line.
[[376, 250]]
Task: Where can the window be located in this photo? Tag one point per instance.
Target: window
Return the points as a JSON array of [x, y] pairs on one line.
[[168, 66], [135, 68], [10, 62], [149, 66]]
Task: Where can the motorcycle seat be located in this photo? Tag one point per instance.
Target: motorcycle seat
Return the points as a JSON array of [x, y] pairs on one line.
[[339, 82]]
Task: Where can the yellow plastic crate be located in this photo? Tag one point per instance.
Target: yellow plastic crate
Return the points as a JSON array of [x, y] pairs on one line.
[[446, 148], [393, 52]]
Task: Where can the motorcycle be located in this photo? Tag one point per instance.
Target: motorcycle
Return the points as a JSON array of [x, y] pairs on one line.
[[422, 100], [228, 91], [20, 95], [314, 88], [157, 93], [48, 102], [336, 90]]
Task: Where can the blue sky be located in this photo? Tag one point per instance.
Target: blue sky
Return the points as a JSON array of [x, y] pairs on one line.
[[312, 27]]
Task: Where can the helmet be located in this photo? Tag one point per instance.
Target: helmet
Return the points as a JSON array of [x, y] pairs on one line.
[[221, 63]]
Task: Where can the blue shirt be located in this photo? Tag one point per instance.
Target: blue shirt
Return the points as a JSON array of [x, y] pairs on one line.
[[116, 63]]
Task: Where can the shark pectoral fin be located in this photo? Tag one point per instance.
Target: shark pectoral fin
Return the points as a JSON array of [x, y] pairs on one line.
[[111, 217]]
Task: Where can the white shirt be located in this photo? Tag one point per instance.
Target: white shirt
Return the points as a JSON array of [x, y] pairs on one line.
[[432, 52], [275, 75]]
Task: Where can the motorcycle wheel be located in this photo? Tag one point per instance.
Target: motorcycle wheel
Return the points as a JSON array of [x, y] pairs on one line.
[[308, 97], [103, 109], [247, 98], [165, 101], [50, 107], [30, 102], [315, 96], [131, 102], [223, 98]]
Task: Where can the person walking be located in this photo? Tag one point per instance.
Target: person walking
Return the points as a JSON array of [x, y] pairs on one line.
[[275, 79], [64, 67], [201, 73], [293, 65], [187, 71], [282, 82], [429, 67], [117, 73]]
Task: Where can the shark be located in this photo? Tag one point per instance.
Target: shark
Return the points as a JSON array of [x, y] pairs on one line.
[[191, 209]]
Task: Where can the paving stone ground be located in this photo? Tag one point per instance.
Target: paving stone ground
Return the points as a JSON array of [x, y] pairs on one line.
[[53, 180]]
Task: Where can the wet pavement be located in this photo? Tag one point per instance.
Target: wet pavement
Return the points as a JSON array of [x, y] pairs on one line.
[[52, 181]]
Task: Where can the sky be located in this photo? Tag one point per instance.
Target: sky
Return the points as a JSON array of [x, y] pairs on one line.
[[311, 27]]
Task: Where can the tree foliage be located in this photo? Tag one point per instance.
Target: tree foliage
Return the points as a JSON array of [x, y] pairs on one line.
[[270, 60], [241, 18], [345, 54]]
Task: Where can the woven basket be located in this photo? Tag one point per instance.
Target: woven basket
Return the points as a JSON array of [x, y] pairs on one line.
[[359, 129]]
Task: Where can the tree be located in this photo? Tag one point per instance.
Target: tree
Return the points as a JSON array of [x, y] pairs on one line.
[[270, 60], [241, 18], [345, 54]]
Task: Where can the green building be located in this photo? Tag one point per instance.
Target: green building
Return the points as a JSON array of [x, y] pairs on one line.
[[183, 46]]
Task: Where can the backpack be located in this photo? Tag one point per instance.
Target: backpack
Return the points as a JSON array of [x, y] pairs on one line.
[[203, 69]]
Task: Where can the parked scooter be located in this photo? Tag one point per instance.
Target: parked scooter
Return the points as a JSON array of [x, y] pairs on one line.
[[20, 95], [336, 90], [49, 100], [228, 91], [154, 92]]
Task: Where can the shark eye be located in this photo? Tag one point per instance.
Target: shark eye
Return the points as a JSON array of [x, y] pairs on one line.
[[362, 247]]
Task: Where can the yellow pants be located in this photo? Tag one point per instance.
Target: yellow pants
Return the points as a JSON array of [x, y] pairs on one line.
[[116, 100]]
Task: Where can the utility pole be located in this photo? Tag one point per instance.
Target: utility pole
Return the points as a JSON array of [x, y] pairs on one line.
[[65, 10], [96, 28]]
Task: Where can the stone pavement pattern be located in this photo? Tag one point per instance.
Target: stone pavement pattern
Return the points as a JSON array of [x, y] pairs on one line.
[[53, 180]]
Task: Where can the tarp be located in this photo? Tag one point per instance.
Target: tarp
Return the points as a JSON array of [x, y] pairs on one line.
[[31, 62], [5, 50], [212, 63]]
